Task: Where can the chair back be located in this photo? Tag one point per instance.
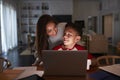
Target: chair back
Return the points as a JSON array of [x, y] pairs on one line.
[[4, 64], [108, 60]]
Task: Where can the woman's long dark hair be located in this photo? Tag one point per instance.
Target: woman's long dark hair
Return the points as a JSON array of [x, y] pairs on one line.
[[41, 34]]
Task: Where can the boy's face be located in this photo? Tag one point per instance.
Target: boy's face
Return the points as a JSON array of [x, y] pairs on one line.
[[70, 37]]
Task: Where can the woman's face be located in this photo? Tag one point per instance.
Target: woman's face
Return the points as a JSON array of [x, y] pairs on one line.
[[51, 29]]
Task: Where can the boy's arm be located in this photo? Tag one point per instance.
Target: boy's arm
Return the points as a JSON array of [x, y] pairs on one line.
[[55, 48], [90, 56]]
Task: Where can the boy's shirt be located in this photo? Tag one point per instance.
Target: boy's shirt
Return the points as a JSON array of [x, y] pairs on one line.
[[75, 48]]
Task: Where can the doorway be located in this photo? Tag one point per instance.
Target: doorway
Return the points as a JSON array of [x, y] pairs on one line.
[[107, 26], [107, 21]]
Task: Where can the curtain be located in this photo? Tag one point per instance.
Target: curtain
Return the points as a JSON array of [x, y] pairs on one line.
[[8, 26]]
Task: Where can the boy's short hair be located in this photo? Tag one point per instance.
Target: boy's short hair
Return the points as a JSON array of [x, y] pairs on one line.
[[75, 27]]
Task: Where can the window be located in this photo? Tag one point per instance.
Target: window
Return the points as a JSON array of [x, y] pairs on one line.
[[8, 25]]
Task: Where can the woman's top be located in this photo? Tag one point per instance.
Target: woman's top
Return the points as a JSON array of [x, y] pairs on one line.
[[58, 39]]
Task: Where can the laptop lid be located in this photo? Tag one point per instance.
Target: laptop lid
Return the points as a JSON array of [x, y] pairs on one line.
[[64, 63]]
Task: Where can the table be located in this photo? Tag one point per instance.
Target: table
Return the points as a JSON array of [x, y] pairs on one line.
[[10, 74], [93, 74], [87, 77]]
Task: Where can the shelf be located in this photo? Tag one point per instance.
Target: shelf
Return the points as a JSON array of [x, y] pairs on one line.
[[26, 33], [32, 25], [29, 15], [23, 24]]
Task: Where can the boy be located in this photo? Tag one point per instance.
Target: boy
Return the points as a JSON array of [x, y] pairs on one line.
[[70, 38]]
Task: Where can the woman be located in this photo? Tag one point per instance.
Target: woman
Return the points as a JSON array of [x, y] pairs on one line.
[[48, 35]]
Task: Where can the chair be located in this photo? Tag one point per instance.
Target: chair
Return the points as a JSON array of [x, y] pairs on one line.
[[4, 64], [108, 60]]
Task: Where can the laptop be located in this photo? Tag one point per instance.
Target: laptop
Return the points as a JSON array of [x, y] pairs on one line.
[[64, 63], [114, 69]]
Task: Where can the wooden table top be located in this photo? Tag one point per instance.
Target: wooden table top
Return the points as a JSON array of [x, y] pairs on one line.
[[10, 74], [87, 77]]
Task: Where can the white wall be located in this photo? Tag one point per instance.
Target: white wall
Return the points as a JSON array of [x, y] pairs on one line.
[[57, 7], [109, 5], [112, 7], [82, 9], [61, 7]]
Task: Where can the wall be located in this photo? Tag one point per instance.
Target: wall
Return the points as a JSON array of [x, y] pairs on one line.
[[57, 7], [82, 9], [111, 7], [61, 7], [77, 8]]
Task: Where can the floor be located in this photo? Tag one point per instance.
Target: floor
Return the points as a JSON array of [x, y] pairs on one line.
[[27, 60], [18, 60]]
